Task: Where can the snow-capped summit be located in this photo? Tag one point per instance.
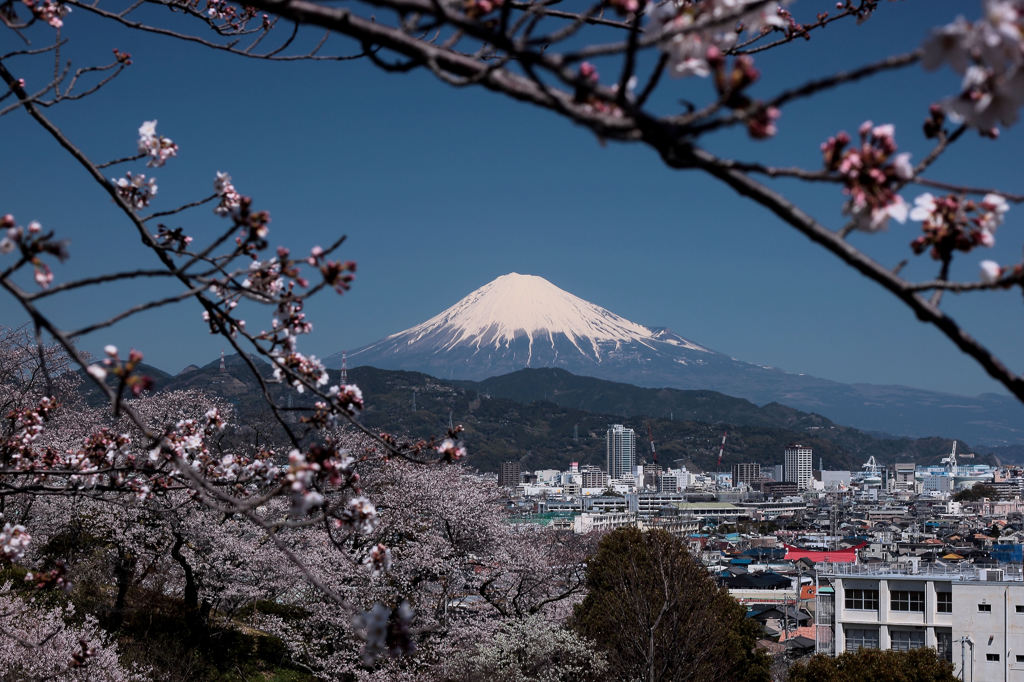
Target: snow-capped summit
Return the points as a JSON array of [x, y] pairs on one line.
[[518, 321], [514, 307]]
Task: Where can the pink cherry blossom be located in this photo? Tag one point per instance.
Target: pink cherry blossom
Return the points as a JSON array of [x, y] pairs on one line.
[[156, 147]]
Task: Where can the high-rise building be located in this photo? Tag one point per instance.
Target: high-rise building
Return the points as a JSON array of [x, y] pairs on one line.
[[510, 473], [745, 474], [796, 466], [620, 444]]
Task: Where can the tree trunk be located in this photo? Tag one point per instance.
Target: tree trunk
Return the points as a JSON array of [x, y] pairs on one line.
[[191, 589], [124, 571]]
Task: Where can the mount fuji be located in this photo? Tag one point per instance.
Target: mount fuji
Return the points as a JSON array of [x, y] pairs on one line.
[[524, 321]]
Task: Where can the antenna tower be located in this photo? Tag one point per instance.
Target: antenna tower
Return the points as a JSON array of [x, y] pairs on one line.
[[223, 367], [344, 369]]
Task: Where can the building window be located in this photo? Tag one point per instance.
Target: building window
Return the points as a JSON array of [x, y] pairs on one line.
[[861, 638], [944, 645], [903, 600], [862, 600], [985, 607], [1020, 658], [991, 657], [1020, 609], [944, 602], [905, 640]]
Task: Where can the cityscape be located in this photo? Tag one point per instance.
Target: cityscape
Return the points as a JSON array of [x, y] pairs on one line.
[[893, 557]]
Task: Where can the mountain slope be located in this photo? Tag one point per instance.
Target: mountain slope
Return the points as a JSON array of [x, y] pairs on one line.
[[543, 434], [523, 321]]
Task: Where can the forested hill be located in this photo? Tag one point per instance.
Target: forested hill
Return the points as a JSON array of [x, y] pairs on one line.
[[549, 418]]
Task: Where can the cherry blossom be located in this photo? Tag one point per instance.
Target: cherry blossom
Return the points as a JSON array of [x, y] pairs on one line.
[[135, 189], [871, 173], [951, 223], [50, 11], [688, 32], [14, 540], [990, 271], [156, 147], [451, 450], [230, 199], [989, 54], [378, 559]]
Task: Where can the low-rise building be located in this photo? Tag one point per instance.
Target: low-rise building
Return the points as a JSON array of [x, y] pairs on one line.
[[973, 618]]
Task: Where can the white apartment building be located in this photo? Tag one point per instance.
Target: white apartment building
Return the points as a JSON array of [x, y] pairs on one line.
[[797, 465], [601, 522], [974, 618], [620, 445]]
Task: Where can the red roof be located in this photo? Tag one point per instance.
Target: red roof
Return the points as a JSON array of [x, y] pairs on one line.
[[838, 556]]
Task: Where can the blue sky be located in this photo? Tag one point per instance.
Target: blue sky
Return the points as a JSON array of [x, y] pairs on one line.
[[441, 190]]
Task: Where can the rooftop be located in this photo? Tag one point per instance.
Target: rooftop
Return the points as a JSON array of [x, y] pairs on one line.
[[959, 572]]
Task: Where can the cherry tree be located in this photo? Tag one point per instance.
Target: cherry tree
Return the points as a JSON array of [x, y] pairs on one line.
[[39, 644], [453, 559]]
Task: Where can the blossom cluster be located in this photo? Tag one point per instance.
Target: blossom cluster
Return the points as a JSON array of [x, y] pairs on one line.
[[451, 450], [952, 223], [359, 515], [32, 243], [230, 199], [871, 174], [378, 559], [14, 540], [50, 11], [236, 18], [124, 370], [136, 190], [157, 147], [687, 30], [989, 55]]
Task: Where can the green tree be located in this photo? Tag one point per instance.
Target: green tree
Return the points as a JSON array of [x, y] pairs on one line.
[[871, 665], [975, 492], [658, 615]]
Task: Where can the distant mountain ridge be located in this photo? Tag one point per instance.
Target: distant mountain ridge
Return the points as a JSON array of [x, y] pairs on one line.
[[521, 417], [523, 321]]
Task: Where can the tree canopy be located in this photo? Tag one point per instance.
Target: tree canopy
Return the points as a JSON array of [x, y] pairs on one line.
[[658, 615]]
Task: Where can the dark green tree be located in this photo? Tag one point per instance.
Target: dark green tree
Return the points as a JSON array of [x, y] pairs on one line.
[[658, 615], [976, 492], [871, 665]]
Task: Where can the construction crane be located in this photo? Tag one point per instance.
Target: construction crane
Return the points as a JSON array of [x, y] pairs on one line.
[[650, 436]]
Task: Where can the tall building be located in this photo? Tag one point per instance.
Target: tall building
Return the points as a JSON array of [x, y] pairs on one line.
[[510, 472], [620, 444], [745, 474], [796, 466]]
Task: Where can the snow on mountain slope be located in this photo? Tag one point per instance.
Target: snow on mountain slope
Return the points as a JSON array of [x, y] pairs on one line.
[[515, 308]]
